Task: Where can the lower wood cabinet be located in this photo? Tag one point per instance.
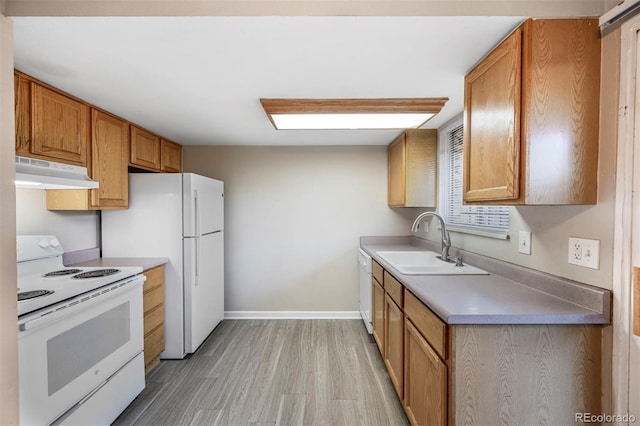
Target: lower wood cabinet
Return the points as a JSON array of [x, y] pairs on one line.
[[394, 338], [153, 305], [377, 305], [481, 374], [425, 382]]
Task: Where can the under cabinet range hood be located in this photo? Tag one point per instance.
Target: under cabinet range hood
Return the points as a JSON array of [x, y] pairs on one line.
[[42, 174]]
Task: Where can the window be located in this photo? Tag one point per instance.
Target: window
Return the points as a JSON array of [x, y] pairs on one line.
[[491, 221]]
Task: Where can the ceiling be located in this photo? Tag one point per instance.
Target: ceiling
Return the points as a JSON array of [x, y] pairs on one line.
[[198, 80]]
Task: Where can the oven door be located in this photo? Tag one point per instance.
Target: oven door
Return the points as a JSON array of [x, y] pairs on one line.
[[67, 350]]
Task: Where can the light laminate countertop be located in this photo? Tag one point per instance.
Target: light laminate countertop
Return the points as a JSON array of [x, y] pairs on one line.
[[508, 295]]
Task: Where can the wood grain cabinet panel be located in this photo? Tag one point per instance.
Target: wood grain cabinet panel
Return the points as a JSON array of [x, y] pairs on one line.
[[22, 90], [377, 306], [532, 117], [394, 343], [170, 156], [412, 176], [60, 126], [153, 305], [110, 148], [145, 149], [425, 392], [110, 161]]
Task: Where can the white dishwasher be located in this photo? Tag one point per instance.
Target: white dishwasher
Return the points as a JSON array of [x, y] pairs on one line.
[[364, 262]]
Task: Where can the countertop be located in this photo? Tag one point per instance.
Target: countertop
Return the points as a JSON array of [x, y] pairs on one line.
[[508, 295], [112, 262], [91, 257]]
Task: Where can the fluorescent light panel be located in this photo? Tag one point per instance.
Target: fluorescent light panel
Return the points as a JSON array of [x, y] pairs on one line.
[[349, 121], [347, 114]]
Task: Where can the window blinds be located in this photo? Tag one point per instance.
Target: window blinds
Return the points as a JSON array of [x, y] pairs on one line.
[[486, 218]]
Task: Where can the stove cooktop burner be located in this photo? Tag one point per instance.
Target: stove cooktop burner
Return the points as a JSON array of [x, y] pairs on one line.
[[26, 295], [62, 272], [96, 273]]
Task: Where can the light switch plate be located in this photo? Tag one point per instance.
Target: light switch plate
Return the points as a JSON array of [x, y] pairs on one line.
[[584, 252], [524, 242]]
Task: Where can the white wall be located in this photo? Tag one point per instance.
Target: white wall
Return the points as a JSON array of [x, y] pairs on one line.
[[293, 218], [75, 230]]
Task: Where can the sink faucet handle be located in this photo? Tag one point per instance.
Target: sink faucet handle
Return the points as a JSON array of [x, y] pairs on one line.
[[459, 261]]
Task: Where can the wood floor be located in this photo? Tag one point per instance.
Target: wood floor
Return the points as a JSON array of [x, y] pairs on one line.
[[275, 372]]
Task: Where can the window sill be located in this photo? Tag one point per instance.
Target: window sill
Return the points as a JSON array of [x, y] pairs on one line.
[[500, 235]]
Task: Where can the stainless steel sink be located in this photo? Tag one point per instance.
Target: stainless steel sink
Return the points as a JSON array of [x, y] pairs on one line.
[[426, 263]]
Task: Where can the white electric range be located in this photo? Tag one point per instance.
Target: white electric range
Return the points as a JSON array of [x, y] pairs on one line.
[[80, 337]]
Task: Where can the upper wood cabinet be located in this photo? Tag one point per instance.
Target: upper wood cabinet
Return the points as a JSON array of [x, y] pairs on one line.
[[531, 117], [109, 165], [145, 149], [110, 160], [50, 124], [150, 152], [413, 161], [22, 89], [170, 156]]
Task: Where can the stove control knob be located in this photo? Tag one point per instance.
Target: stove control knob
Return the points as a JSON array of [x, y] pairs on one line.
[[54, 243], [43, 243]]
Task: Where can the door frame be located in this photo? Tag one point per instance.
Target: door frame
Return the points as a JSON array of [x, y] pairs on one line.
[[625, 347]]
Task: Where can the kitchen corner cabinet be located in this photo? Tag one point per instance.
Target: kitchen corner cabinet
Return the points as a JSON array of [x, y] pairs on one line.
[[413, 170], [153, 306], [109, 155], [478, 374], [532, 117], [50, 125]]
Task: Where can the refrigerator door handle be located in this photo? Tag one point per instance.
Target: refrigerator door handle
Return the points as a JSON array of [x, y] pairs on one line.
[[196, 207], [197, 271]]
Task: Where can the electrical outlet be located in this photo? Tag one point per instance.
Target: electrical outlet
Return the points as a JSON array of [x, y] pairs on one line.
[[584, 252], [524, 242]]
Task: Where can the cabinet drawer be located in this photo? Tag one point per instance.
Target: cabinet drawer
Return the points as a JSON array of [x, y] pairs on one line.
[[153, 344], [377, 272], [153, 318], [393, 287], [155, 278], [428, 323], [153, 298]]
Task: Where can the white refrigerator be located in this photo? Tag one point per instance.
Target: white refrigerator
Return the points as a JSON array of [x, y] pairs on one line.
[[179, 216]]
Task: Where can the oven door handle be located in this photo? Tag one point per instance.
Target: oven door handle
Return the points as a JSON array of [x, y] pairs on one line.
[[73, 306]]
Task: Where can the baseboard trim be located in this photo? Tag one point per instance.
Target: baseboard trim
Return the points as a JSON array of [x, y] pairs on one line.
[[230, 315]]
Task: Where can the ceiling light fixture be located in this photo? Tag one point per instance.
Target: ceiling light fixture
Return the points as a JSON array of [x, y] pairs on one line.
[[339, 114]]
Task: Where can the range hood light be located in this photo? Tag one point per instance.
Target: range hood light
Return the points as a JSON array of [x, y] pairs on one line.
[[28, 184]]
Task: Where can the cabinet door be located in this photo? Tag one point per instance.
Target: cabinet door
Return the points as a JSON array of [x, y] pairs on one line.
[[394, 348], [170, 156], [425, 381], [397, 170], [145, 149], [153, 304], [378, 314], [492, 129], [22, 89], [60, 126], [110, 160]]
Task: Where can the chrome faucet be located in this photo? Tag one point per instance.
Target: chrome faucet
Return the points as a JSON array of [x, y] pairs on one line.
[[446, 240]]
